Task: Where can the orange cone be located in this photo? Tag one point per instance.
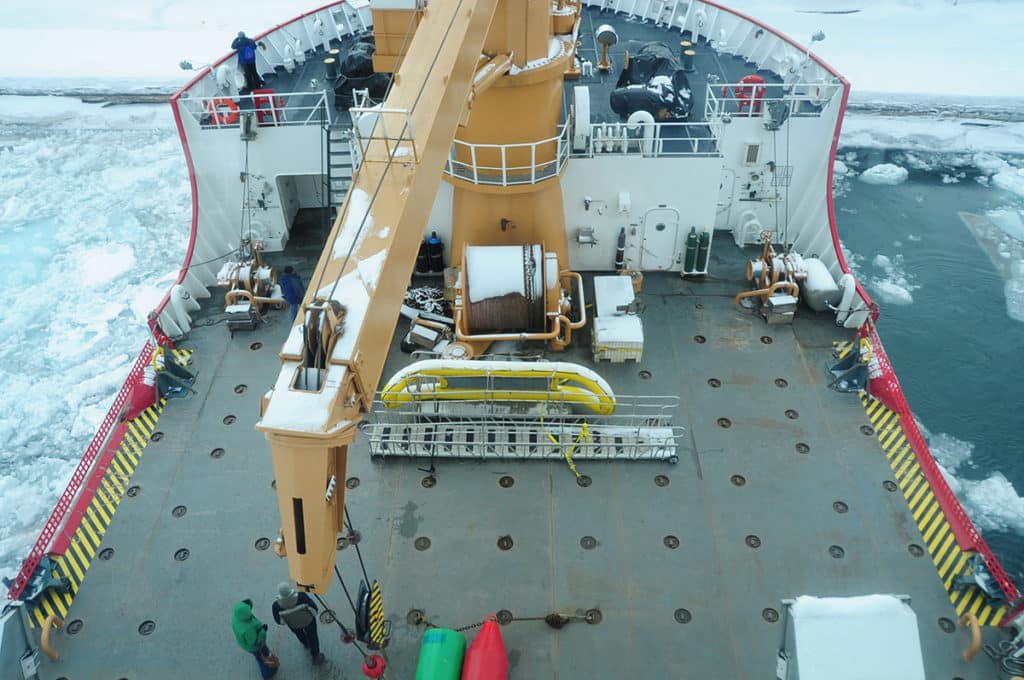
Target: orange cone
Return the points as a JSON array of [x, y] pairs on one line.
[[486, 658]]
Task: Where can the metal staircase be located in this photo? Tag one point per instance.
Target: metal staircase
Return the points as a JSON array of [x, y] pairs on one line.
[[339, 167]]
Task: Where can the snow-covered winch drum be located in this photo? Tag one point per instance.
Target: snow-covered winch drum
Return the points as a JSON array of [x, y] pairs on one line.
[[504, 288]]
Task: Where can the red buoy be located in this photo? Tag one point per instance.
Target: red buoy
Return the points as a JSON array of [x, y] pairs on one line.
[[143, 395], [486, 658], [373, 666]]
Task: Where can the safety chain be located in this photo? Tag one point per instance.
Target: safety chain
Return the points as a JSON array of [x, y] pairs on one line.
[[554, 620]]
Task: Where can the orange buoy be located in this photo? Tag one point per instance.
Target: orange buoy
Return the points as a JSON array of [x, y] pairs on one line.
[[486, 658]]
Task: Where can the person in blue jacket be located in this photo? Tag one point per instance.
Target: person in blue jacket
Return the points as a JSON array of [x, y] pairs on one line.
[[292, 289], [246, 48]]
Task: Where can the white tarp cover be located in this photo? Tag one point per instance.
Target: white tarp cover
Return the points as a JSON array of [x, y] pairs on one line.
[[610, 292], [853, 638]]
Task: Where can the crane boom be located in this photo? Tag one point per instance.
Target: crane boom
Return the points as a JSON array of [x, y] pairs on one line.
[[333, 358]]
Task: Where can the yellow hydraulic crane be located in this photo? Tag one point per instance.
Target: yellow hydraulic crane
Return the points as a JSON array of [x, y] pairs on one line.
[[332, 361], [310, 418]]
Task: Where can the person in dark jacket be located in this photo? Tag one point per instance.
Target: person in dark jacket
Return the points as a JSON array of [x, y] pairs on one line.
[[292, 289], [298, 612], [251, 635], [246, 48]]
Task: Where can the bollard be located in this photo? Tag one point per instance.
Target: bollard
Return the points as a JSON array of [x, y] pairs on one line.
[[331, 68], [688, 57]]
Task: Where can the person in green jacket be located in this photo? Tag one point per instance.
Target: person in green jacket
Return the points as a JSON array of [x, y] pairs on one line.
[[251, 635]]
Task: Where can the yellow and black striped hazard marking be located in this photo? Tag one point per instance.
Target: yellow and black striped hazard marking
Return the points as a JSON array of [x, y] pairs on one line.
[[841, 349], [85, 544], [377, 633], [938, 536], [184, 356]]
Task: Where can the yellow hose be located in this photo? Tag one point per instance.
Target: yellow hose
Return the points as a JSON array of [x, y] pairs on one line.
[[52, 621], [970, 620]]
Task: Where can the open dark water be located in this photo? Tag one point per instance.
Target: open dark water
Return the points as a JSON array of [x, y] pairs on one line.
[[957, 351]]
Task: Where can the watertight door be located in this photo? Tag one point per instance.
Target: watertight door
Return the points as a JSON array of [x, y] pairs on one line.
[[661, 231]]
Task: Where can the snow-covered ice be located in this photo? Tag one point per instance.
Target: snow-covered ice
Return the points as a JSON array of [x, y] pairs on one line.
[[884, 173], [930, 133], [94, 217], [1009, 219], [992, 501]]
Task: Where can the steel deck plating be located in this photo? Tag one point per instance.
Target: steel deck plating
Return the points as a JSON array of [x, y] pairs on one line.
[[780, 494]]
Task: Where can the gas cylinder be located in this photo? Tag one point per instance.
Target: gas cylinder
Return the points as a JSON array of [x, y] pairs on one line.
[[435, 253], [422, 259], [702, 250], [441, 654], [620, 251], [690, 261], [486, 658]]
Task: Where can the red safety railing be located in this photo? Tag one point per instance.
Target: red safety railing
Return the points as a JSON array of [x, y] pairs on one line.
[[86, 470], [886, 387]]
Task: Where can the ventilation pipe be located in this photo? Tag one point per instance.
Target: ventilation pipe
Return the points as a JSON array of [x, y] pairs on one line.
[[644, 118]]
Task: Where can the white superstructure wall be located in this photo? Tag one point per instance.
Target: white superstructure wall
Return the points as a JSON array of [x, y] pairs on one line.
[[249, 189], [606, 194]]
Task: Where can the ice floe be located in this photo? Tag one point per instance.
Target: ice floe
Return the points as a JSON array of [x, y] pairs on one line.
[[884, 173], [992, 502], [94, 221]]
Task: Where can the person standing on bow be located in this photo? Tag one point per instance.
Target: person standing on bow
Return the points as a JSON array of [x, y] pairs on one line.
[[292, 289], [251, 635], [298, 611], [246, 48]]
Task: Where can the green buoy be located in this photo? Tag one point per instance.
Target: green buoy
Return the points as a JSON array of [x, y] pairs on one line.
[[441, 654]]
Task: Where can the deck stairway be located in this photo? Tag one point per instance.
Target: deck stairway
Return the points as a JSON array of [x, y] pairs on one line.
[[339, 166], [641, 429]]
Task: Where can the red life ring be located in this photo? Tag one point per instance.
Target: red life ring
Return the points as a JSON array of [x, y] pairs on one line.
[[221, 116]]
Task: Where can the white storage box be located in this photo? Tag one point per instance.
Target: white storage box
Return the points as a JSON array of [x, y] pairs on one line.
[[618, 336]]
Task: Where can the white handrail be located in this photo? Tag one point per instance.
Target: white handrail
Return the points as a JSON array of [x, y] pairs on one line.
[[749, 99], [669, 140], [505, 173], [272, 109]]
